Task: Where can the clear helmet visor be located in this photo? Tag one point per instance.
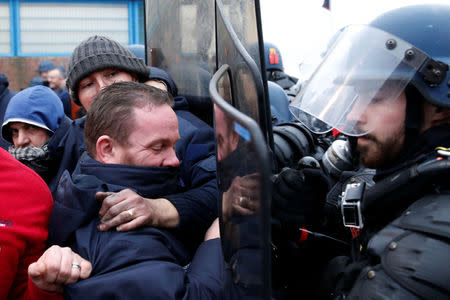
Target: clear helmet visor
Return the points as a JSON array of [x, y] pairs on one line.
[[365, 67]]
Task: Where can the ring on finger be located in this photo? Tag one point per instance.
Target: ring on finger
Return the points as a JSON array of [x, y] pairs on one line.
[[130, 212], [76, 266]]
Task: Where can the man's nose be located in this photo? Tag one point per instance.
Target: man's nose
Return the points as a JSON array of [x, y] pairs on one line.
[[171, 159], [357, 114], [102, 83], [22, 140]]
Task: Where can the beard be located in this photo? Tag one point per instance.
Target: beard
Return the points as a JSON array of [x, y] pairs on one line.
[[375, 153]]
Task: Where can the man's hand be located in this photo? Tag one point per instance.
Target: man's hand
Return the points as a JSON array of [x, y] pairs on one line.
[[242, 198], [299, 195], [58, 266], [126, 210]]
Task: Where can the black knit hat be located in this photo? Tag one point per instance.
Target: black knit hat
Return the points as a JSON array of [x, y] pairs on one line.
[[98, 53]]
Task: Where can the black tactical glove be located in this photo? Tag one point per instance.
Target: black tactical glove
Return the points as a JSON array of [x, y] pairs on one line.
[[299, 196]]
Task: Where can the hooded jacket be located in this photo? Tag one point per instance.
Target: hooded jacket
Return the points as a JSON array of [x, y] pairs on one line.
[[65, 145], [5, 95], [138, 264]]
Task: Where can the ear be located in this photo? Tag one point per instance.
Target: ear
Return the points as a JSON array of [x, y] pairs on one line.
[[442, 115], [234, 139], [434, 116], [106, 150]]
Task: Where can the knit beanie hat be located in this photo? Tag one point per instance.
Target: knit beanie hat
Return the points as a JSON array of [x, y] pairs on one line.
[[98, 53], [38, 106]]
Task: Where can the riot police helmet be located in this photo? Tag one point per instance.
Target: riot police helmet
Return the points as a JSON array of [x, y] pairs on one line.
[[405, 47], [272, 57]]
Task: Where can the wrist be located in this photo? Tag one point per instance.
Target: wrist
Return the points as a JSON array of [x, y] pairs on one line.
[[166, 215]]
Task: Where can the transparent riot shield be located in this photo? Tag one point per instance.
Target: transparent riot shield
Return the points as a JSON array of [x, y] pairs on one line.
[[238, 45], [244, 194], [243, 158], [190, 39], [180, 39]]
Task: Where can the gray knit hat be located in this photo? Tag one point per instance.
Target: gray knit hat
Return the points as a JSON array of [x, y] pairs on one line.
[[98, 53]]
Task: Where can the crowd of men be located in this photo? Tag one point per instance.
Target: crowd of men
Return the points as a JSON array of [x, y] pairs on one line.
[[126, 196]]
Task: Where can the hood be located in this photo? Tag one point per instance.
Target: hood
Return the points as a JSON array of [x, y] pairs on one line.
[[43, 109], [159, 74]]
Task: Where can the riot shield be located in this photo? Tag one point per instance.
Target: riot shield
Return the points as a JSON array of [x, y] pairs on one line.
[[180, 40], [243, 158], [238, 35], [244, 194], [190, 39]]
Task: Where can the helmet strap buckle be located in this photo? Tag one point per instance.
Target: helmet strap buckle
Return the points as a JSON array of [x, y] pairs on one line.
[[433, 72]]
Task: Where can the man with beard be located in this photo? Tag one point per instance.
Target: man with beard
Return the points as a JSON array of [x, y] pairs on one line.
[[392, 98], [131, 131]]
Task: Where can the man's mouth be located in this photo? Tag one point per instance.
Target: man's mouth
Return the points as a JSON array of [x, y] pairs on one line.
[[366, 138]]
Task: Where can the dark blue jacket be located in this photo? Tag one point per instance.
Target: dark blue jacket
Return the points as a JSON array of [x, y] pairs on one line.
[[65, 99], [5, 95], [66, 146], [139, 264], [63, 157], [196, 149]]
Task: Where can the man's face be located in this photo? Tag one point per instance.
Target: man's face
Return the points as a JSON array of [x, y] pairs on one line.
[[94, 82], [227, 138], [55, 80], [381, 146], [44, 75], [152, 139], [25, 135]]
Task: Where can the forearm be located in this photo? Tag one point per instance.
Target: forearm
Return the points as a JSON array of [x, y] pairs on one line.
[[197, 208], [168, 216]]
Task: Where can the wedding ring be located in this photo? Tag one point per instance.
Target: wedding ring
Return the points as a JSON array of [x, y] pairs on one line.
[[76, 266], [130, 212]]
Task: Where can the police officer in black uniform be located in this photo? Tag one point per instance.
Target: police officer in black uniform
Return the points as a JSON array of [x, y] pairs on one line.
[[388, 87]]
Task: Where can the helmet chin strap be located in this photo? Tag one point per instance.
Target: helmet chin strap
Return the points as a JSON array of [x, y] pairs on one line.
[[413, 118]]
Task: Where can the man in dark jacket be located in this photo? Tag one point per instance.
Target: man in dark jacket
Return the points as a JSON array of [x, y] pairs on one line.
[[390, 92], [98, 62], [131, 131], [5, 95]]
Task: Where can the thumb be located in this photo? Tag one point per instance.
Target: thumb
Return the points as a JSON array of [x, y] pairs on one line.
[[35, 270]]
